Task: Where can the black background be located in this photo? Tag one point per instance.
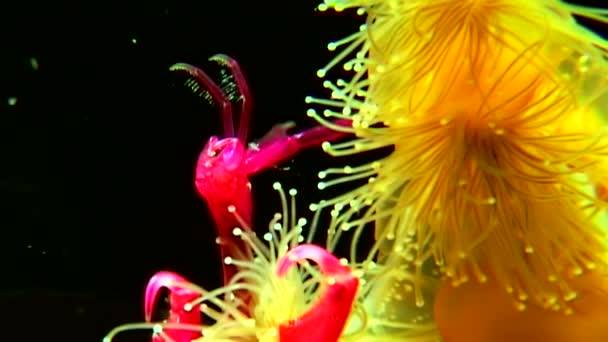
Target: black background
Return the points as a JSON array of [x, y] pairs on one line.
[[98, 151]]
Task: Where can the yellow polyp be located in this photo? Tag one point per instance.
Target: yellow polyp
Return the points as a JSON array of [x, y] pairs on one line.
[[388, 309], [497, 111], [497, 317]]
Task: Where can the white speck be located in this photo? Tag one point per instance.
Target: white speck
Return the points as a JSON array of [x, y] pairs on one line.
[[12, 101], [134, 41], [34, 63]]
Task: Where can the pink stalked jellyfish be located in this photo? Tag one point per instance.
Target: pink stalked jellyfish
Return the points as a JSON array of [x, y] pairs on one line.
[[224, 165], [290, 303], [222, 173]]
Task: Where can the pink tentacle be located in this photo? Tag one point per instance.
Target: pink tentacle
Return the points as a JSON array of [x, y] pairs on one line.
[[180, 310], [243, 88], [317, 135], [280, 146], [216, 92], [325, 320]]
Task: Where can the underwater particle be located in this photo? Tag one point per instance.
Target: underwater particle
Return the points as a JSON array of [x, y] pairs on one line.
[[12, 101], [79, 311], [496, 113], [34, 63], [134, 41]]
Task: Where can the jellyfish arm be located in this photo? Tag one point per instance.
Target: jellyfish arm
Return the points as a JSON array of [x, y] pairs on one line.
[[278, 146], [222, 178], [225, 165], [181, 312], [325, 320]]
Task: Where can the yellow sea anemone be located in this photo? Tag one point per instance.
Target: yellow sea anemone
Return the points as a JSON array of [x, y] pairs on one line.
[[496, 112]]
